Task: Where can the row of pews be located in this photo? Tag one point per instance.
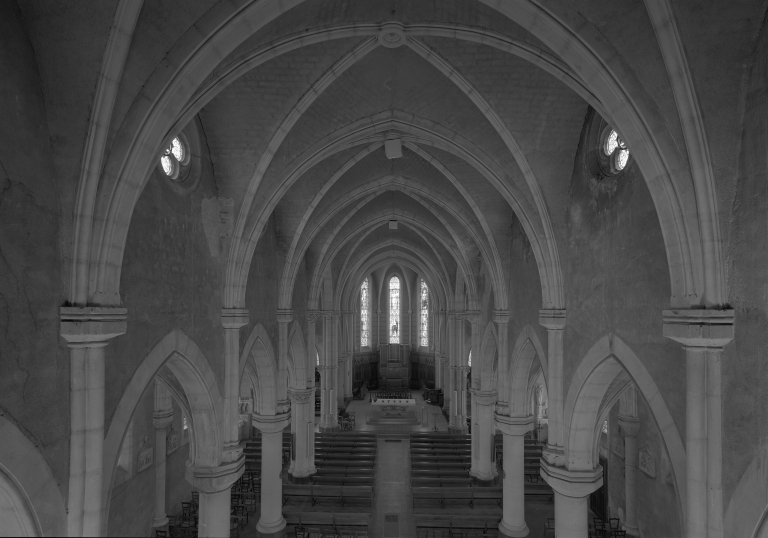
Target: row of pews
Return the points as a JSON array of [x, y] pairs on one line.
[[340, 494], [447, 500]]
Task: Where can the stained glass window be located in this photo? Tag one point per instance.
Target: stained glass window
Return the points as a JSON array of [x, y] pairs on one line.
[[394, 310], [605, 427], [469, 361], [365, 320], [318, 358], [615, 148], [424, 326]]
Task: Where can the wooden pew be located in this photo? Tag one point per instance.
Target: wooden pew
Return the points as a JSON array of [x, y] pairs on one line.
[[343, 480], [317, 493], [339, 520], [463, 495]]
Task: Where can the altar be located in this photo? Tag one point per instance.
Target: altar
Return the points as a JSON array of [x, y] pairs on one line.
[[393, 409], [396, 402]]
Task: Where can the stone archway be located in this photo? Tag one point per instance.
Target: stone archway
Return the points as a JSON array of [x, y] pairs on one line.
[[187, 363]]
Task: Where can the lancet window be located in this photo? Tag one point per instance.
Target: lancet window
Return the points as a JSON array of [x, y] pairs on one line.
[[424, 325], [365, 314], [394, 310]]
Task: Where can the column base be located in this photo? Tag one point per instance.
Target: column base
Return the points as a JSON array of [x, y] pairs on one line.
[[157, 523], [303, 479], [484, 482], [271, 529], [457, 430], [328, 429], [632, 531], [514, 532]]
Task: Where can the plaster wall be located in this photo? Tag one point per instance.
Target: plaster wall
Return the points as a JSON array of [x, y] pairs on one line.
[[34, 364], [745, 391]]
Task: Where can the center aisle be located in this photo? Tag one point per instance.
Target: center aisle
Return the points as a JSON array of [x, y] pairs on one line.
[[393, 489]]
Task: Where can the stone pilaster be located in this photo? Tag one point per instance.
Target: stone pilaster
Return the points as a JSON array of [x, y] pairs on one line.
[[214, 484], [162, 417], [703, 334], [554, 321], [302, 420], [483, 433], [232, 319], [87, 332]]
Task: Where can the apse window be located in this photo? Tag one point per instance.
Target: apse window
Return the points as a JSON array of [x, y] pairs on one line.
[[394, 310], [424, 325], [469, 360], [365, 316], [175, 156], [615, 150]]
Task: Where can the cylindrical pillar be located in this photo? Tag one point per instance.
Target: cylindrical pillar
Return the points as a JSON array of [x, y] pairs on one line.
[[213, 515], [630, 483], [696, 442], [572, 489], [514, 430], [571, 516], [162, 417], [271, 520], [87, 331], [300, 419], [484, 403]]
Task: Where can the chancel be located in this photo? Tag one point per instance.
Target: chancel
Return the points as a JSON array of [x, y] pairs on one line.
[[382, 269]]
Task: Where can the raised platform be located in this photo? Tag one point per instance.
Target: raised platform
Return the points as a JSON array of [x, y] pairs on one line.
[[393, 416]]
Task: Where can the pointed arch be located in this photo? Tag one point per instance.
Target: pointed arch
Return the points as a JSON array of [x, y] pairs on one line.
[[298, 365], [188, 364], [487, 358], [258, 349], [30, 499], [595, 385], [527, 351]]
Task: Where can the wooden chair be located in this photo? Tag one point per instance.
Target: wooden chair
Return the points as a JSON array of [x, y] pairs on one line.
[[196, 500], [234, 528], [614, 524], [618, 533], [599, 524], [300, 532], [361, 534], [161, 534]]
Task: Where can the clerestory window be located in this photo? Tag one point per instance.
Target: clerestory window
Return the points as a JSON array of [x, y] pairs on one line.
[[365, 314], [394, 310], [174, 157], [615, 149]]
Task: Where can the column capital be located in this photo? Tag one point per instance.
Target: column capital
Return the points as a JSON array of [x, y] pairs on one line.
[[514, 425], [629, 425], [284, 315], [234, 318], [572, 483], [501, 317], [699, 328], [271, 423], [474, 317], [215, 479], [313, 316], [83, 326], [300, 396], [552, 318], [484, 397], [162, 419]]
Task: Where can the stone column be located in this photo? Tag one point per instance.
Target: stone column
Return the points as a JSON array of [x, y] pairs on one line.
[[378, 327], [630, 424], [485, 402], [477, 430], [554, 321], [349, 338], [703, 334], [87, 332], [161, 419], [447, 367], [312, 318], [572, 490], [214, 484], [284, 320], [232, 320], [302, 415], [271, 428], [501, 319], [514, 430], [328, 377]]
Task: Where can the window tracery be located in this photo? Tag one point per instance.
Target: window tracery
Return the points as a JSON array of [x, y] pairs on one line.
[[615, 149], [174, 157], [365, 320], [424, 326], [394, 310]]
